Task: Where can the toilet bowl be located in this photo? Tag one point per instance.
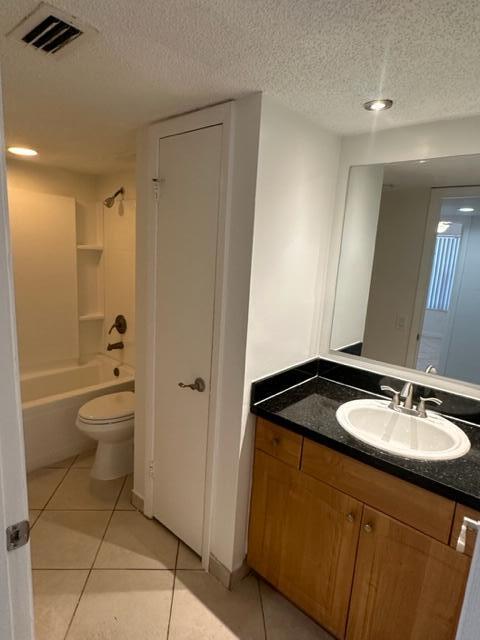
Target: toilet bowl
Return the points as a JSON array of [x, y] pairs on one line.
[[110, 421]]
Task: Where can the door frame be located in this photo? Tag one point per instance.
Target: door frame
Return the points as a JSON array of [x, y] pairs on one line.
[[219, 114], [457, 282], [16, 599], [433, 215]]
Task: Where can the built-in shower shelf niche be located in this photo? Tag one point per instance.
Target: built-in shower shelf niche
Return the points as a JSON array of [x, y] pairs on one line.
[[89, 247], [90, 224], [91, 317], [90, 272]]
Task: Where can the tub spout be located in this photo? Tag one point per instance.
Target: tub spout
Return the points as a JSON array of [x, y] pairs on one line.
[[115, 345]]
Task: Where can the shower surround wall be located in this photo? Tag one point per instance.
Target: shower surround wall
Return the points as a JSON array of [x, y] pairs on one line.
[[43, 243], [74, 272], [119, 261], [74, 264], [44, 206]]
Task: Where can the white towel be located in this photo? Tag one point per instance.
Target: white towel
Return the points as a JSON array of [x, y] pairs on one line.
[[469, 624]]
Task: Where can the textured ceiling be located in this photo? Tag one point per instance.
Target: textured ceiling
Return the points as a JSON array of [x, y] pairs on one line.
[[154, 58]]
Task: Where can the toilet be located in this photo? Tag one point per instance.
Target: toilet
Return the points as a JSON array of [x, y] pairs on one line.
[[110, 421]]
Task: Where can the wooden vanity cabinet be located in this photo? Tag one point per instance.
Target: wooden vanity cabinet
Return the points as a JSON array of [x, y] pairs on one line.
[[381, 571], [279, 443], [303, 539], [406, 585]]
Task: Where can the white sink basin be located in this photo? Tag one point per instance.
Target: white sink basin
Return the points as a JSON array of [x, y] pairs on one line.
[[430, 438]]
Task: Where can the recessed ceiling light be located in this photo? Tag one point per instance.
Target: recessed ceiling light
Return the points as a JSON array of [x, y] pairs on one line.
[[422, 161], [377, 105], [443, 226], [23, 151], [466, 209]]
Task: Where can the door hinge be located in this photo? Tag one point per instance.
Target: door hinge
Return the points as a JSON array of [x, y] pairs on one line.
[[18, 535], [151, 468], [157, 182]]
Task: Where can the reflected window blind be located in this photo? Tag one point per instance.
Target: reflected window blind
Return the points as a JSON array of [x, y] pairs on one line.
[[443, 272]]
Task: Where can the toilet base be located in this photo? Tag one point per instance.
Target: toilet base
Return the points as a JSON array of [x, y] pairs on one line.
[[113, 460]]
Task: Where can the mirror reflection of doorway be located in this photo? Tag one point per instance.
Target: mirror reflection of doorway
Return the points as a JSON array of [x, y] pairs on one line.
[[450, 317]]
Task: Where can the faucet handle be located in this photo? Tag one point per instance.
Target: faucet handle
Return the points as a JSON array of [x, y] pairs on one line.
[[120, 325], [422, 405], [395, 395]]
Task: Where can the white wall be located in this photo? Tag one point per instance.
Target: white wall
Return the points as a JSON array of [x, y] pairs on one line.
[[28, 175], [297, 171], [48, 323], [358, 247], [119, 260], [396, 269], [431, 140], [106, 280], [45, 268], [297, 167], [230, 454]]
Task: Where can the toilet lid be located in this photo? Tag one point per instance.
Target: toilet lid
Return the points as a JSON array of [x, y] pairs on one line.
[[109, 407]]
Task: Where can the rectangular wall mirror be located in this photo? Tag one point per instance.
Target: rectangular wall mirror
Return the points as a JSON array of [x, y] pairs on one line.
[[408, 286]]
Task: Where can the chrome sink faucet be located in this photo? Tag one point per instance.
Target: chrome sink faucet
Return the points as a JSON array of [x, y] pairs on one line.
[[402, 401], [406, 396]]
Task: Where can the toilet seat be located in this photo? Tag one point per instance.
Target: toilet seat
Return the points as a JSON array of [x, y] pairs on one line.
[[100, 422], [109, 409]]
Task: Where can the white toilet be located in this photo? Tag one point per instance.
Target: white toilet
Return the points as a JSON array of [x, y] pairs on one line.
[[110, 420]]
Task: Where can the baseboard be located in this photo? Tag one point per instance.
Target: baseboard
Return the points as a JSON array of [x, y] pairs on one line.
[[137, 501], [226, 577]]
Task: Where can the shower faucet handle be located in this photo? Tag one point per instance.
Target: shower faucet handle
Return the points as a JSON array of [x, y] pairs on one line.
[[120, 325], [198, 385]]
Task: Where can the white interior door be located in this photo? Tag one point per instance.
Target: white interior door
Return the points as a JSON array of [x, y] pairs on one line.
[[16, 606], [188, 210]]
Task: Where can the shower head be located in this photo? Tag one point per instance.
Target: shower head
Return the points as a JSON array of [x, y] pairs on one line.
[[109, 202]]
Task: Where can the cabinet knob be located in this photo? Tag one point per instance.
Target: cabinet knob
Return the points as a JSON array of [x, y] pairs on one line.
[[350, 517], [275, 441], [368, 528]]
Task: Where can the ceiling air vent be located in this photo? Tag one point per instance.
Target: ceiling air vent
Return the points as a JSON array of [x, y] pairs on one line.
[[49, 30]]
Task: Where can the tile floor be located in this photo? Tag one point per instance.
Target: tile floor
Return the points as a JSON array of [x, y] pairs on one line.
[[102, 571]]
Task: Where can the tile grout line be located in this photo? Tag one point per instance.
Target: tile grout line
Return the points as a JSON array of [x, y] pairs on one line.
[[89, 509], [108, 569], [66, 469], [173, 589], [94, 560], [262, 608]]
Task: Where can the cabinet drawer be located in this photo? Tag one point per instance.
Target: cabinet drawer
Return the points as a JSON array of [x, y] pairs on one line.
[[423, 510], [460, 513], [280, 443]]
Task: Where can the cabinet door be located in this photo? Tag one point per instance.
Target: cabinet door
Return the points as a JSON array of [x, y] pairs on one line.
[[303, 539], [273, 484], [407, 586]]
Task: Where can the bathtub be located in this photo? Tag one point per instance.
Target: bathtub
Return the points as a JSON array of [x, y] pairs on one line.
[[50, 402]]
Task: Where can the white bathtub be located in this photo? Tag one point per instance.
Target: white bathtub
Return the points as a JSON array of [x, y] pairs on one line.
[[50, 402]]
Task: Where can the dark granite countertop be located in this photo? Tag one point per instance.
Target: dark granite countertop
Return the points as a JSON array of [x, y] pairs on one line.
[[309, 410]]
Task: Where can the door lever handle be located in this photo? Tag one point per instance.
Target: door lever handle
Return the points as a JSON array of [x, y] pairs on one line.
[[198, 385]]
